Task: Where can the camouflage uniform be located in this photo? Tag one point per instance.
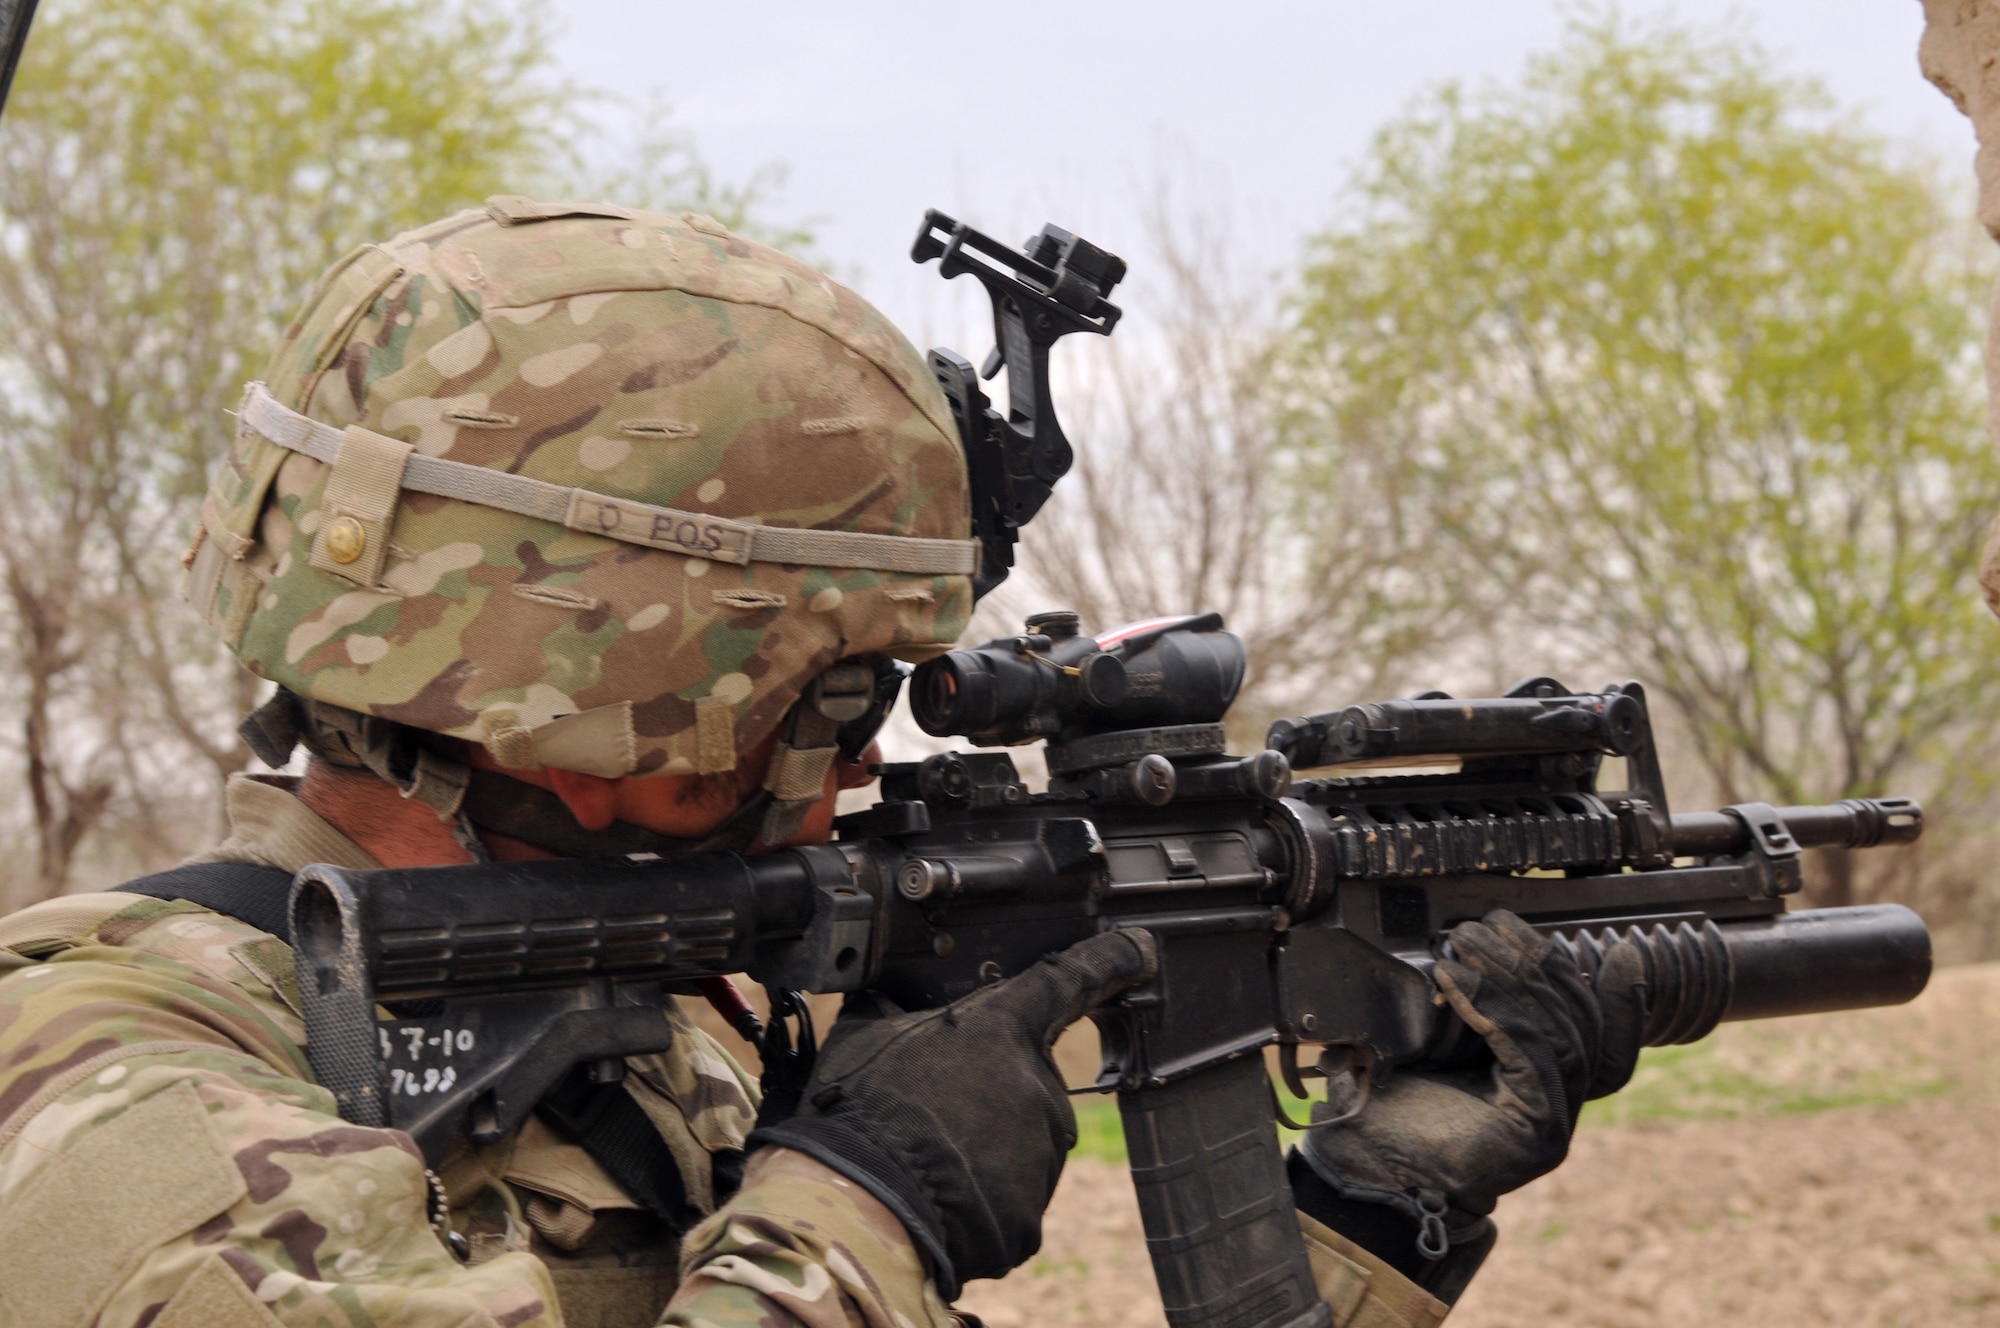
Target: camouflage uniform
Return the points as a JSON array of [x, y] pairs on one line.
[[597, 489], [166, 1159]]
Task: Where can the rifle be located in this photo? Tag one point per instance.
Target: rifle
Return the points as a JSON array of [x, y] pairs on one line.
[[1288, 913]]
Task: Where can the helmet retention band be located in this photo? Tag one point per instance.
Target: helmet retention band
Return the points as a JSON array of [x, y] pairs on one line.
[[695, 534]]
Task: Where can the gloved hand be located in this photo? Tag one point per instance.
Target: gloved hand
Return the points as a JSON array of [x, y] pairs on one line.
[[1411, 1169], [955, 1118]]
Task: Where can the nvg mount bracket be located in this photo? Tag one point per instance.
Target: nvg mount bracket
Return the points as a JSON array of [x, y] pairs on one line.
[[1055, 288]]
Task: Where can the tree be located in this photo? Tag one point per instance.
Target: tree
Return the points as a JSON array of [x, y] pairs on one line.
[[1692, 362], [1181, 501], [172, 178]]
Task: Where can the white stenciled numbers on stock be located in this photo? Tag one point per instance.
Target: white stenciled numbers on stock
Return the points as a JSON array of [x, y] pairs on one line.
[[420, 1056], [410, 1083]]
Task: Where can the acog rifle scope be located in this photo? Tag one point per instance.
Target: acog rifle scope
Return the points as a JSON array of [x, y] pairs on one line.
[[1053, 681]]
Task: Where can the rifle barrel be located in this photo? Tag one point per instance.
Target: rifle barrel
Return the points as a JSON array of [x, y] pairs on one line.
[[1852, 823]]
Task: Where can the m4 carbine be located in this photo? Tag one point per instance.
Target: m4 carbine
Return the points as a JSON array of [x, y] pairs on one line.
[[1288, 913]]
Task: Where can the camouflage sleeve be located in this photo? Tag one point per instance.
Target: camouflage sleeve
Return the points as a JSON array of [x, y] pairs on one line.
[[801, 1245], [165, 1161], [1363, 1291]]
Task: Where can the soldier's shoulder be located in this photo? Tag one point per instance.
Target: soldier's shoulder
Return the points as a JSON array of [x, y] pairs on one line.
[[127, 916], [34, 932], [177, 942]]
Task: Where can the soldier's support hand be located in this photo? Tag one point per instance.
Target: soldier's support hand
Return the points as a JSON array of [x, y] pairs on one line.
[[1411, 1169], [956, 1118]]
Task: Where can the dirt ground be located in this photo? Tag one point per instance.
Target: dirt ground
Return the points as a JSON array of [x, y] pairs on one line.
[[1836, 1170]]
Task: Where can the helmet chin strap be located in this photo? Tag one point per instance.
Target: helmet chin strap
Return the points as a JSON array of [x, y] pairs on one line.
[[461, 796], [794, 784], [519, 810], [808, 742], [349, 738], [465, 797]]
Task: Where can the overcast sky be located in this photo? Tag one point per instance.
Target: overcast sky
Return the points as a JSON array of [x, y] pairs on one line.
[[1011, 114]]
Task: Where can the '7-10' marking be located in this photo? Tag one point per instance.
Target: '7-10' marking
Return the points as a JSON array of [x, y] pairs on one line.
[[412, 1082]]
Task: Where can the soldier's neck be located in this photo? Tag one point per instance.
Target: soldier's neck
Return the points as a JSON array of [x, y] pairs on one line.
[[393, 830]]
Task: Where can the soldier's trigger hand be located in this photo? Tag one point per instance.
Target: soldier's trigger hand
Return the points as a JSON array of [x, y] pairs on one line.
[[1440, 1147], [956, 1118]]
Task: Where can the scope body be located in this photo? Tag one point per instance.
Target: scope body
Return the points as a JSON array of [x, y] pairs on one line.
[[1053, 682]]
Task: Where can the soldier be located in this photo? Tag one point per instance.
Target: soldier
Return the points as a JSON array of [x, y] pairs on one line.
[[565, 529]]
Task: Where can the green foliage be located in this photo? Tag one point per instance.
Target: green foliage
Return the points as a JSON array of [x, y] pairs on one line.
[[174, 174], [1689, 363], [1099, 1131], [1702, 1082]]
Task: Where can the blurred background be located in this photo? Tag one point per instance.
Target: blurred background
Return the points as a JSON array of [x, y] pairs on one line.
[[1464, 342]]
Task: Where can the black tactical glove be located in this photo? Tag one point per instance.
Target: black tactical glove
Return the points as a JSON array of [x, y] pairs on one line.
[[1411, 1169], [956, 1118]]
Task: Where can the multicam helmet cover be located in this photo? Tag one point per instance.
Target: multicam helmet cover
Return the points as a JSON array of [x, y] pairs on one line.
[[675, 405]]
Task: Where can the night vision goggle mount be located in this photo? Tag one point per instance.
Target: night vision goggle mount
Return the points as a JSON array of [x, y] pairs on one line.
[[1055, 288]]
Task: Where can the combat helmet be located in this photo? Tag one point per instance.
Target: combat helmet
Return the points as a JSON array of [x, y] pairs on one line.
[[599, 489]]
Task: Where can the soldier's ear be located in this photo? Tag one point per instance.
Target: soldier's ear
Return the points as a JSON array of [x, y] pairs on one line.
[[591, 799]]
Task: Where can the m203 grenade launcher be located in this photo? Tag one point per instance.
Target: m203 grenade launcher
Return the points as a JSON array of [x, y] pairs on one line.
[[1289, 913]]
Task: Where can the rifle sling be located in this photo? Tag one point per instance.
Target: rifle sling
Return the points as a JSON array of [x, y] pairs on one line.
[[245, 891]]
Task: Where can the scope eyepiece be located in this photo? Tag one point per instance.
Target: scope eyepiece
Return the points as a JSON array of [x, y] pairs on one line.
[[1052, 680], [1015, 689]]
